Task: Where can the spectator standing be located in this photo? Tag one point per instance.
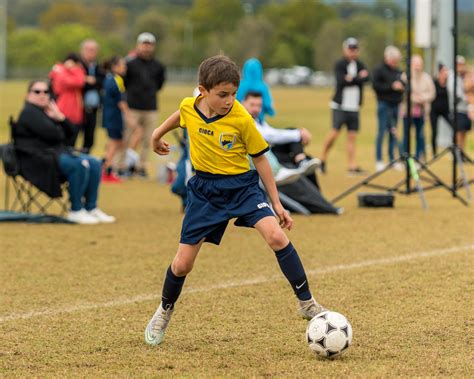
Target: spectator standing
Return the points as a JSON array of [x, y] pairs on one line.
[[389, 87], [67, 80], [351, 74], [145, 77], [94, 78], [422, 94], [440, 105], [114, 111], [464, 123]]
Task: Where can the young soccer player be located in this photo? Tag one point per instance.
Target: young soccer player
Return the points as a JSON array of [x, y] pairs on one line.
[[114, 111], [221, 135]]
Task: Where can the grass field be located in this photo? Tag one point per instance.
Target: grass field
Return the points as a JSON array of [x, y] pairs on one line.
[[75, 300]]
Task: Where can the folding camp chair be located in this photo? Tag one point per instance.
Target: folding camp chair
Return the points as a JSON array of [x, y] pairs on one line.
[[22, 196]]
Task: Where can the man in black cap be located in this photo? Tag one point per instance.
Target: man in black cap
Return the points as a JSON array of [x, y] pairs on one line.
[[350, 75], [145, 77]]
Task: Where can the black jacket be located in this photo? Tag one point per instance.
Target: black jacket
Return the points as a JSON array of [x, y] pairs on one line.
[[340, 70], [440, 103], [143, 80], [38, 142], [383, 77]]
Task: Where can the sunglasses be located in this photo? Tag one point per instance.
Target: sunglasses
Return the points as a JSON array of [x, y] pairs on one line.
[[39, 91]]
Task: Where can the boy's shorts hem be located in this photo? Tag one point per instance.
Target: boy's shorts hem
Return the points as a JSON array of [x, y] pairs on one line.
[[215, 236], [212, 203], [116, 134]]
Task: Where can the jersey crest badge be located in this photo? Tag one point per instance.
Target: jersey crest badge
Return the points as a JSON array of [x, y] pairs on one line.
[[227, 141]]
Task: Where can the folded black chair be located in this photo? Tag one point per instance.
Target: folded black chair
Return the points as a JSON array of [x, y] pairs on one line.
[[305, 198]]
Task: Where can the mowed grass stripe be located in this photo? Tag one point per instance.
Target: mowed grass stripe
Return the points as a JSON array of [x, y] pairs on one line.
[[239, 283]]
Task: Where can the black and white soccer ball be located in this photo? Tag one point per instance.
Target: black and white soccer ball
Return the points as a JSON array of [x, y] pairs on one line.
[[329, 334]]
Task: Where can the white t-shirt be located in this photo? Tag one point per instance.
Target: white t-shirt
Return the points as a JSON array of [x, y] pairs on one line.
[[276, 136], [350, 94]]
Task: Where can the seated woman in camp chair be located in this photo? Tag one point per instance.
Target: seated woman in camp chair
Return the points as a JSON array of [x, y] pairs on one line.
[[45, 161]]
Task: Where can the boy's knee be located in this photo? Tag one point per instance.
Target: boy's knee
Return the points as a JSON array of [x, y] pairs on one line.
[[277, 239], [181, 267]]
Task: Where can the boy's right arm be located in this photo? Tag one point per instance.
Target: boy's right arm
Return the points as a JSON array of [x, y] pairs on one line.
[[159, 146]]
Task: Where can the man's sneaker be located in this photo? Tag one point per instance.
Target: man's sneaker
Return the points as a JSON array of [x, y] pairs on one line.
[[286, 176], [357, 171], [124, 174], [309, 166], [310, 308], [141, 173], [379, 166], [399, 166], [81, 217], [101, 216], [156, 328]]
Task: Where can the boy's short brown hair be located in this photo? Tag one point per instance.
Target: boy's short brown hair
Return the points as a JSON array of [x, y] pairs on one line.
[[218, 69]]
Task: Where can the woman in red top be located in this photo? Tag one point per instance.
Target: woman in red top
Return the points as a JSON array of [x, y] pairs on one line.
[[67, 80]]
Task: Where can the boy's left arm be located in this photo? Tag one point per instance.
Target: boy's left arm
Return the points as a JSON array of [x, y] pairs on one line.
[[265, 172]]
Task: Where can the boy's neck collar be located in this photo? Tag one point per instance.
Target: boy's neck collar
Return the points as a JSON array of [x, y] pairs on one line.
[[201, 105], [202, 112]]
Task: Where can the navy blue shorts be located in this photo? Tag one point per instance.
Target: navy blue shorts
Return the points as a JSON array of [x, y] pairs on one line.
[[115, 133], [215, 199]]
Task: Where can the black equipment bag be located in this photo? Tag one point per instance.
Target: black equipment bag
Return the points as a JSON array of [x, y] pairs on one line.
[[377, 200]]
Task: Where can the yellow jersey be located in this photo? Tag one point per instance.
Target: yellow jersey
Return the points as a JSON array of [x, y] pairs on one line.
[[220, 144]]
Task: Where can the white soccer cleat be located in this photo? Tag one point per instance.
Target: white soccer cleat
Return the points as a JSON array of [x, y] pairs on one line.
[[156, 328], [101, 216], [310, 308], [81, 217]]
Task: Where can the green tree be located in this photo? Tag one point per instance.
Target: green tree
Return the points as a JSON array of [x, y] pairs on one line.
[[99, 16], [38, 52], [296, 24], [63, 13], [25, 12], [66, 38], [209, 16], [256, 32], [283, 56], [327, 44]]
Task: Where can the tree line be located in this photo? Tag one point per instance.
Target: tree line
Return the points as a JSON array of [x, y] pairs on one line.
[[279, 33]]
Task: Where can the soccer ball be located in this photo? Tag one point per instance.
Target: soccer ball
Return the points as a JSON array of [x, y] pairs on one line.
[[329, 334]]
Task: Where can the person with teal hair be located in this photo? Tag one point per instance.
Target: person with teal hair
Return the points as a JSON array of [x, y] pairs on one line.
[[252, 81]]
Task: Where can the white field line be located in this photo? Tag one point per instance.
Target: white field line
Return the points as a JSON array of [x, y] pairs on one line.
[[238, 283]]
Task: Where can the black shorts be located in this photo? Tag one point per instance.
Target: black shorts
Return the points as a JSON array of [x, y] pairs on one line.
[[340, 117], [464, 122]]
